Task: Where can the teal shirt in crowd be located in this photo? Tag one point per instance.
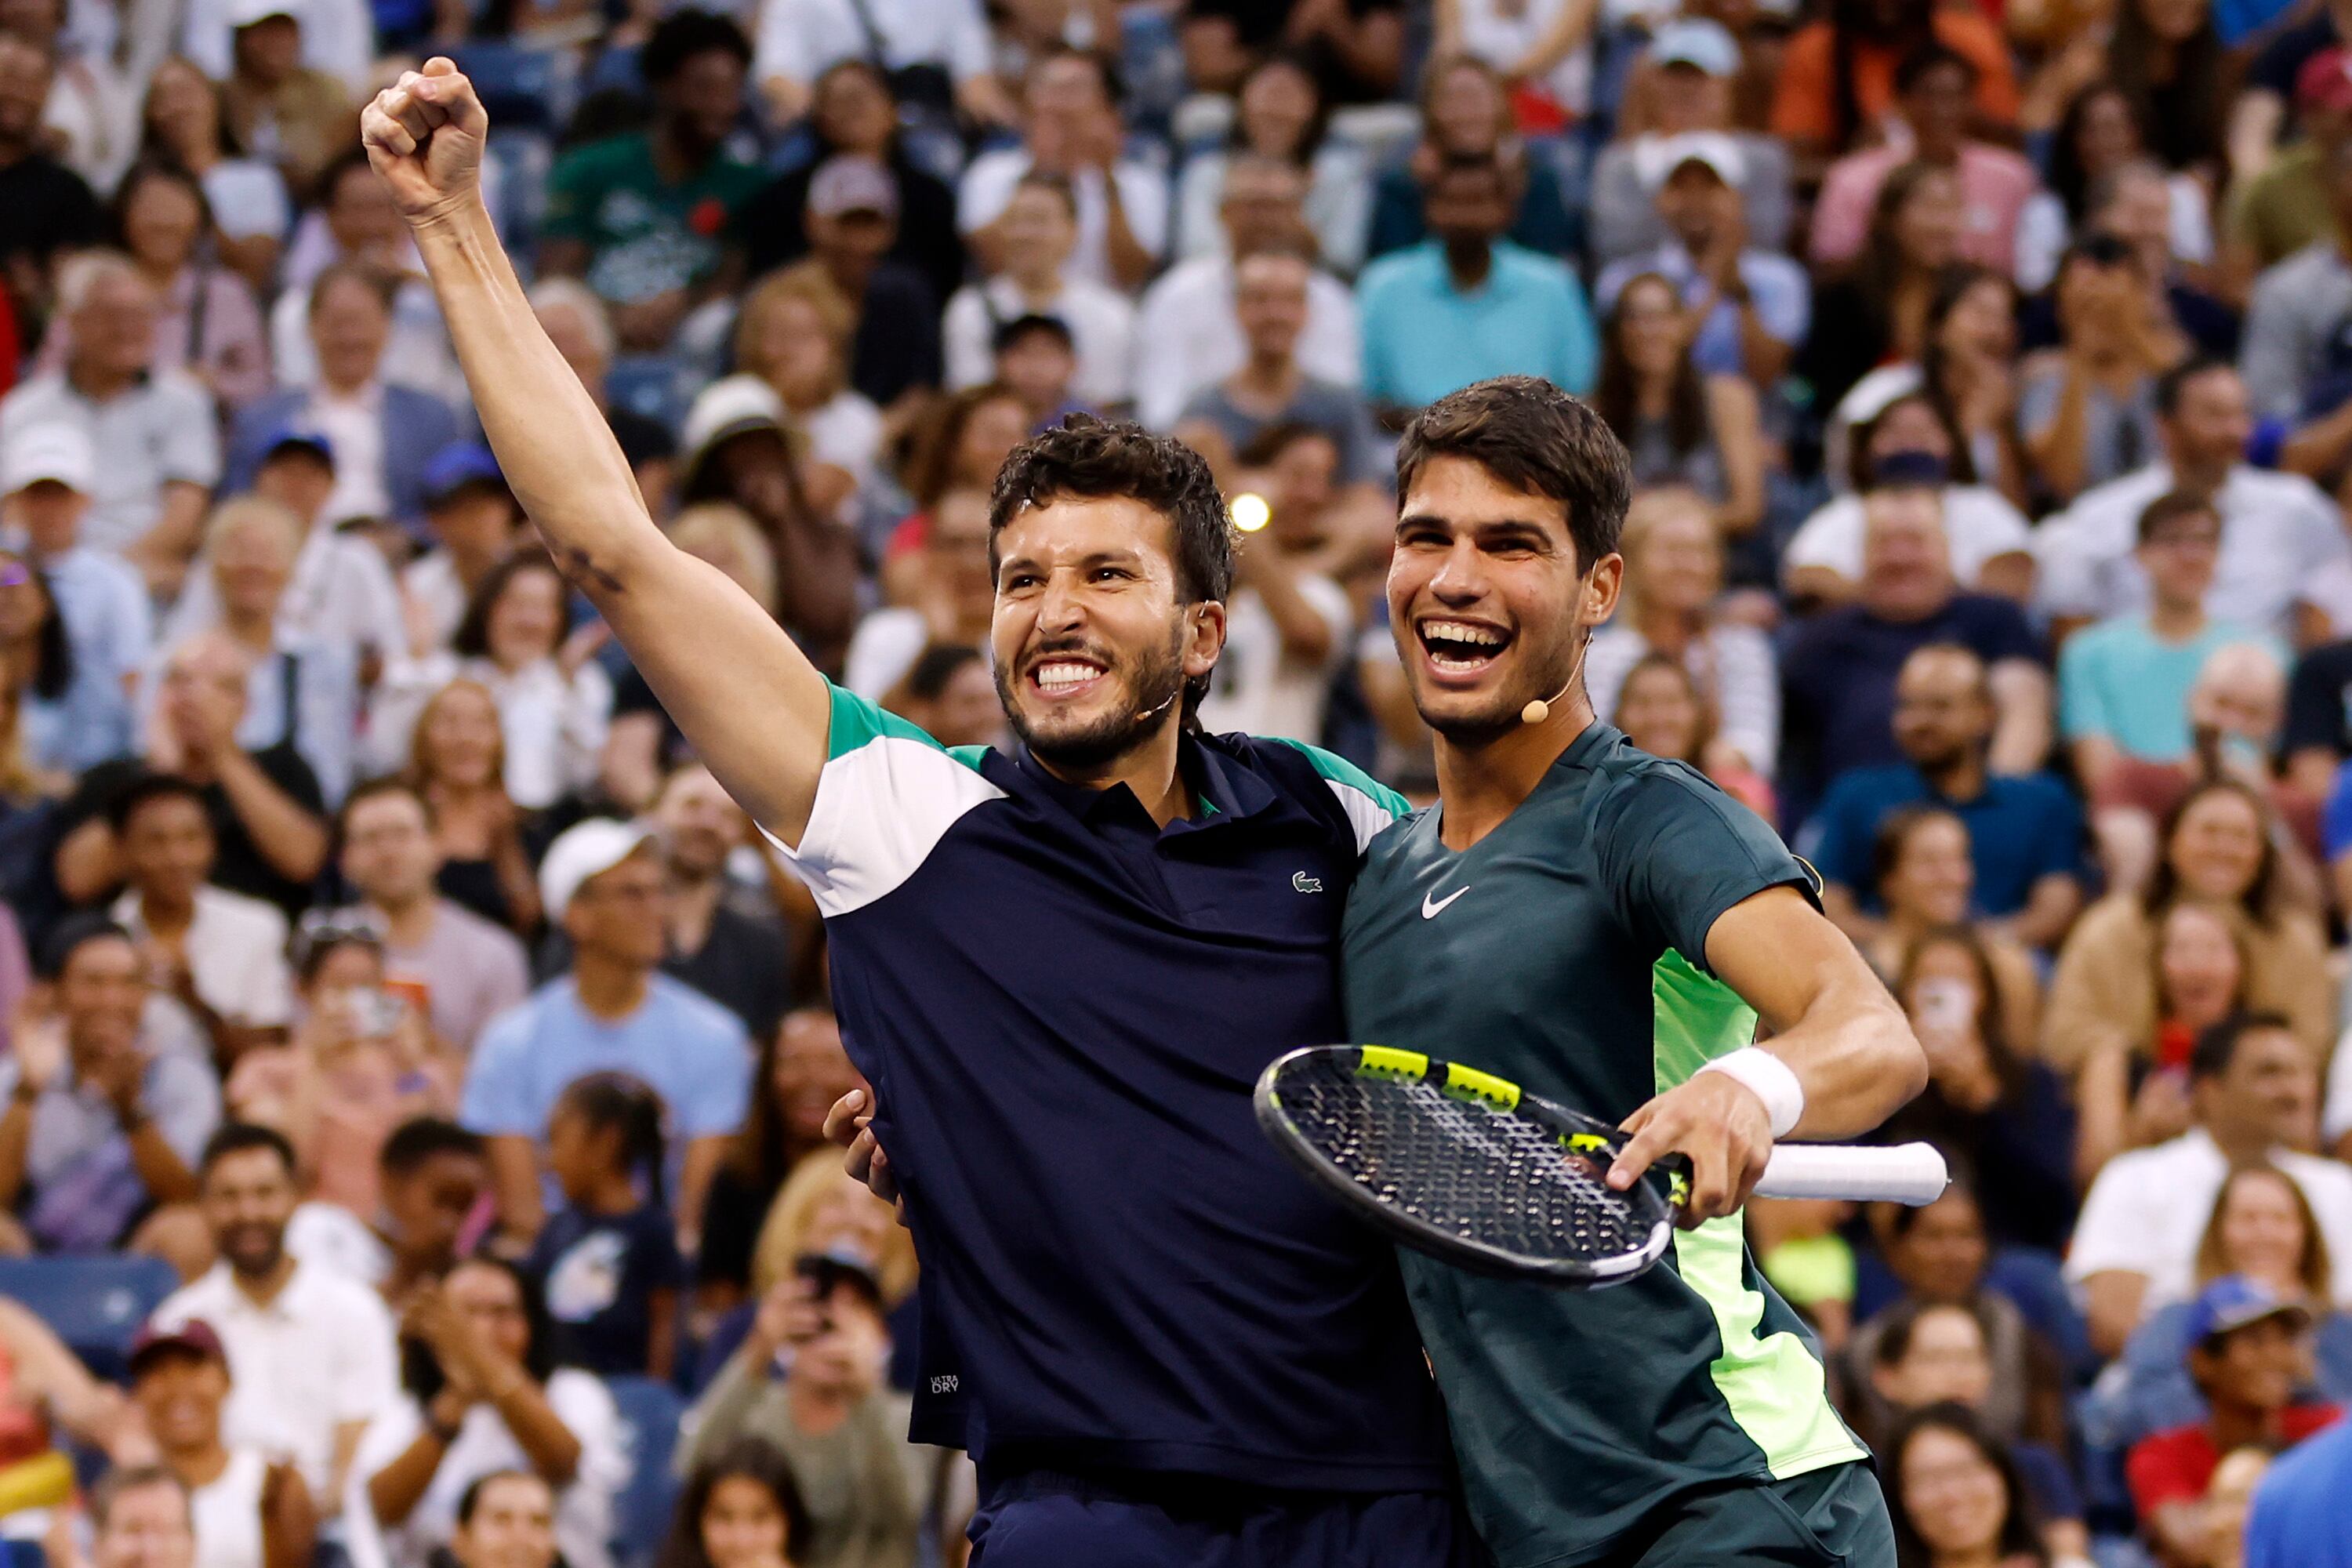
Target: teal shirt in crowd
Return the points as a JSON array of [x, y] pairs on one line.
[[1423, 338], [2120, 681]]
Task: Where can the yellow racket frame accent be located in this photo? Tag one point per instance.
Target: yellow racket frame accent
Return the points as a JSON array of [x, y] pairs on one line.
[[1461, 1083]]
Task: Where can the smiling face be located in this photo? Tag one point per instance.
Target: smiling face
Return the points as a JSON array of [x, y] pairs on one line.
[[1932, 876], [180, 1392], [1955, 1499], [2262, 1230], [2216, 846], [1092, 639], [2200, 973], [161, 222], [1483, 589], [527, 621], [741, 1525]]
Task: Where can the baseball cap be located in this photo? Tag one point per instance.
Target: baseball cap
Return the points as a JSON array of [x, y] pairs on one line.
[[288, 436], [457, 464], [2326, 80], [55, 451], [196, 1337], [1698, 42], [848, 184], [2235, 1300], [587, 849], [246, 13], [1657, 158], [730, 406]]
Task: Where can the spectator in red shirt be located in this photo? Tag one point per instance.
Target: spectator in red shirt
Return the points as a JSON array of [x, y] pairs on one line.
[[2248, 1353]]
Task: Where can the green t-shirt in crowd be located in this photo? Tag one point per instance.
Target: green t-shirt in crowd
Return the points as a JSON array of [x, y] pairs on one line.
[[644, 235], [1566, 952]]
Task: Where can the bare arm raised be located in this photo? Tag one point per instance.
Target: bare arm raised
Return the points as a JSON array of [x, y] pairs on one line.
[[752, 707]]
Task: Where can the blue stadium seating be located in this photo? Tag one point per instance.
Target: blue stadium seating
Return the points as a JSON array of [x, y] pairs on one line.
[[95, 1304], [647, 384], [650, 1411], [523, 88]]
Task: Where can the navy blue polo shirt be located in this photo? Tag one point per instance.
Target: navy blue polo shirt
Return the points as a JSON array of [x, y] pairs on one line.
[[2019, 831], [1063, 1008]]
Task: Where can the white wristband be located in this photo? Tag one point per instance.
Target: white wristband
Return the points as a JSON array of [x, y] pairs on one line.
[[1773, 1081]]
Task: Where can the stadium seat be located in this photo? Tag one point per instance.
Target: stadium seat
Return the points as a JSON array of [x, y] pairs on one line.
[[647, 384], [95, 1304], [522, 87], [650, 1411]]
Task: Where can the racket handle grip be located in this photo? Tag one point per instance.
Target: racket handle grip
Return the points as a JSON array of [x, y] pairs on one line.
[[1912, 1174]]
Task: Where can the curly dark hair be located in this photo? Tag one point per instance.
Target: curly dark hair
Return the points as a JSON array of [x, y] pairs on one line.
[[681, 35], [1528, 433]]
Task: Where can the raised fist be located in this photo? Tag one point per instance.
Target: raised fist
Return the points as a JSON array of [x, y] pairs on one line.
[[425, 135]]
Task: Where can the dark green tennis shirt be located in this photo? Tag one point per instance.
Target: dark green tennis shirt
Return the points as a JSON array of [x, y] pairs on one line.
[[1566, 950]]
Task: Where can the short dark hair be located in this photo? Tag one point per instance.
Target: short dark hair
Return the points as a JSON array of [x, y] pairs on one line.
[[375, 789], [1052, 184], [1529, 434], [471, 1499], [2174, 383], [1008, 333], [2171, 505], [149, 788], [2217, 1045], [928, 677], [1090, 458], [681, 35], [421, 1138], [238, 1138], [1278, 437], [1928, 57], [70, 935]]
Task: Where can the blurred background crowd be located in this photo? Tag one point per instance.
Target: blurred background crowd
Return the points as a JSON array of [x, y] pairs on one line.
[[414, 1067]]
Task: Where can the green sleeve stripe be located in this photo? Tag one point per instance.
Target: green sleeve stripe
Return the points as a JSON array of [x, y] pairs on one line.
[[856, 723], [1338, 771]]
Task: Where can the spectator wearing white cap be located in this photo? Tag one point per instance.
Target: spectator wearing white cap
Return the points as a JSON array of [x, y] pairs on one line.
[[47, 475], [1935, 89], [151, 435], [1188, 333], [1752, 306], [279, 102], [1683, 83], [614, 1010]]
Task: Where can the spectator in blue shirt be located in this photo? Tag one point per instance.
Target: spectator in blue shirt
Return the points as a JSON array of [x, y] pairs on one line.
[[1838, 673], [2025, 834], [602, 883], [2124, 684], [1751, 305], [1466, 304]]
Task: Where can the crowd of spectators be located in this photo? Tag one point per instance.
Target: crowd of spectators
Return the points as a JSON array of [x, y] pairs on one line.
[[381, 975]]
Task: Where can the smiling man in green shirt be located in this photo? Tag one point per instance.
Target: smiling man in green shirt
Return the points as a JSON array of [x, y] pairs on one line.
[[1606, 927]]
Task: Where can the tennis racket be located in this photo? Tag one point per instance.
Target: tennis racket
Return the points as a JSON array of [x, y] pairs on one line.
[[1466, 1167]]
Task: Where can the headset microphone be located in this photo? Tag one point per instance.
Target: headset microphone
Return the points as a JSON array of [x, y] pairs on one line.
[[1537, 711]]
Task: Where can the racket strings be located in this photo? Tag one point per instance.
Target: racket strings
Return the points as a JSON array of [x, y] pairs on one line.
[[1500, 1179]]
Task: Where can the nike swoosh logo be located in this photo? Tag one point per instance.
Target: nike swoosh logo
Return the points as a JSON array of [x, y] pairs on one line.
[[1432, 906]]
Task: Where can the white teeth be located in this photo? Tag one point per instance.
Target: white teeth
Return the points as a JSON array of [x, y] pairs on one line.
[[1463, 631], [1061, 677]]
